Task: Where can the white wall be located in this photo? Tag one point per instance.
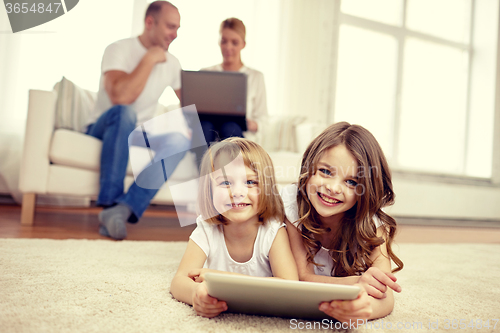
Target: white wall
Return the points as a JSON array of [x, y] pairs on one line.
[[273, 46], [415, 198]]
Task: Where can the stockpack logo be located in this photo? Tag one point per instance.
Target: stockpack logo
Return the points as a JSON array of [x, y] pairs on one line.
[[26, 14]]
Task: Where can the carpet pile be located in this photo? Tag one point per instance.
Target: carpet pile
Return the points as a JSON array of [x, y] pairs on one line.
[[105, 286]]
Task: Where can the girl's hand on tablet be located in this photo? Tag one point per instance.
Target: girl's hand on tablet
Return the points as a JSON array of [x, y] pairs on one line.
[[198, 274], [206, 306], [376, 282], [349, 311]]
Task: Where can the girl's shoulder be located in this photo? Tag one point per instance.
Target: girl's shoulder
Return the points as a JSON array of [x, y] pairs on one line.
[[266, 235], [208, 228], [271, 225]]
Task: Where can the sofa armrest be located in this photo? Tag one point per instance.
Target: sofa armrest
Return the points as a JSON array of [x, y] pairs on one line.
[[39, 128]]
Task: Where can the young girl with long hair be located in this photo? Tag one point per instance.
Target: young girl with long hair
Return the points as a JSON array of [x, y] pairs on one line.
[[240, 229], [338, 230]]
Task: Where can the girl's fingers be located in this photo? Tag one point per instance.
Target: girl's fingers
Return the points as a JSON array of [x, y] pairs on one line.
[[343, 315], [209, 309], [206, 305], [392, 276], [390, 282], [376, 284], [207, 299], [211, 306], [387, 279], [203, 298], [353, 306], [194, 273], [208, 313], [374, 292]]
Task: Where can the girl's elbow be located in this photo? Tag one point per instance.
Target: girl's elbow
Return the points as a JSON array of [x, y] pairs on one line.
[[175, 288]]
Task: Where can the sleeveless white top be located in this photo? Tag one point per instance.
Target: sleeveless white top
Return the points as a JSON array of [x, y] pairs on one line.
[[210, 238]]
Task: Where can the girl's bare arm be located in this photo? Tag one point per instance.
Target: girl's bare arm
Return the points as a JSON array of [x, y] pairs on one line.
[[186, 290]]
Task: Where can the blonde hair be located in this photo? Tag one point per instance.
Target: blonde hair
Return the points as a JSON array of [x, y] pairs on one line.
[[234, 24], [256, 158], [357, 236]]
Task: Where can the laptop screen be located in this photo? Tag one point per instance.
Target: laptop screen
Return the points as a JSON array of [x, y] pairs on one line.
[[215, 93]]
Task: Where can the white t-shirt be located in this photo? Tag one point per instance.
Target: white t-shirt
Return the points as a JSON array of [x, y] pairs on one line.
[[256, 94], [322, 257], [210, 238], [124, 55]]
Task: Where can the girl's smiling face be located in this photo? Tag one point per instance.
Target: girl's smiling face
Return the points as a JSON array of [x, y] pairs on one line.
[[235, 192], [332, 188]]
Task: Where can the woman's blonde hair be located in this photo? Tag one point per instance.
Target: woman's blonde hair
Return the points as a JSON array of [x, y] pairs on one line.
[[357, 236], [235, 25], [256, 158]]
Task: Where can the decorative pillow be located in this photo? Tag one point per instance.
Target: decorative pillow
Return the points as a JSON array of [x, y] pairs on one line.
[[73, 105]]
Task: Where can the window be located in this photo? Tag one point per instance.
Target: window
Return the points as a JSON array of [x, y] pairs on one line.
[[420, 75]]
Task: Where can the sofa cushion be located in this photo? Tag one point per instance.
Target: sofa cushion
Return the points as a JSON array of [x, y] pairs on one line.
[[77, 150], [64, 180], [73, 105], [74, 149]]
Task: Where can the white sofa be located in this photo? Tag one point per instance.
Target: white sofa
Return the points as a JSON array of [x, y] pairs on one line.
[[64, 162]]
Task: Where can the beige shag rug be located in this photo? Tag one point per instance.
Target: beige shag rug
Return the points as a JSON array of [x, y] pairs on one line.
[[105, 286]]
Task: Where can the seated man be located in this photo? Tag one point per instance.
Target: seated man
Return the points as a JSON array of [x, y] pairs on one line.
[[134, 73]]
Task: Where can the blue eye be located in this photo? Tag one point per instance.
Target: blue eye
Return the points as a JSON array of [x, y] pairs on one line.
[[351, 182], [325, 172], [252, 182], [225, 183]]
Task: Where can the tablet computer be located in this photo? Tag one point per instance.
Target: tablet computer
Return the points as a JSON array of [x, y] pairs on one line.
[[275, 297]]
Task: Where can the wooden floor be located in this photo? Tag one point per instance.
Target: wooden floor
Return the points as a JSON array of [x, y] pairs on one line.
[[82, 223], [161, 224]]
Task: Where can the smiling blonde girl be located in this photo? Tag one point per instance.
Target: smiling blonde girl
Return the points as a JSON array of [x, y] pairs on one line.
[[240, 228]]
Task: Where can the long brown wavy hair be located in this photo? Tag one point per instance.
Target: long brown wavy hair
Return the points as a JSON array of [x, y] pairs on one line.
[[357, 235]]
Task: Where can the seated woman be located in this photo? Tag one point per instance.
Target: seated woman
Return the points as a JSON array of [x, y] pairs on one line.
[[232, 41]]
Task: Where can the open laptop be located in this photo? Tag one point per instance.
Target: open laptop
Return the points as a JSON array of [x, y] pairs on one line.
[[218, 96], [275, 297]]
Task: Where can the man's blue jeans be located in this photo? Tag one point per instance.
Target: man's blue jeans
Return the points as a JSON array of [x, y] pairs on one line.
[[113, 128]]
